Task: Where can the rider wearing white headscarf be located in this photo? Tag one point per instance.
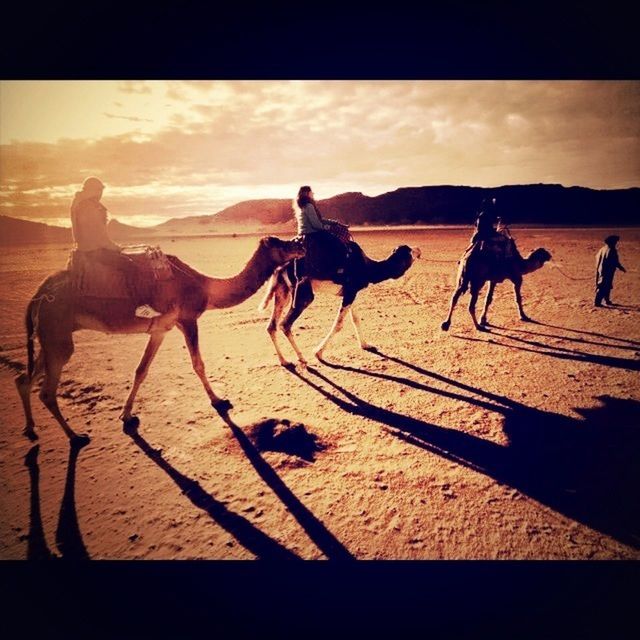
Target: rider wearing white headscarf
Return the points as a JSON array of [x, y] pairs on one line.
[[89, 218]]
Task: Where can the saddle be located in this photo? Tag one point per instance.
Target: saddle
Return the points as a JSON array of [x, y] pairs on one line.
[[140, 274], [498, 247]]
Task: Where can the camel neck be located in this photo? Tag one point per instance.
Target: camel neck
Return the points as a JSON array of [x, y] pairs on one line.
[[228, 292], [380, 270]]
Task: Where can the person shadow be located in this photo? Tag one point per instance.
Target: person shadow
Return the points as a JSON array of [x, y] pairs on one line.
[[68, 536], [586, 469]]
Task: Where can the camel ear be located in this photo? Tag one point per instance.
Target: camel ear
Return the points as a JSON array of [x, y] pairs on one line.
[[267, 242]]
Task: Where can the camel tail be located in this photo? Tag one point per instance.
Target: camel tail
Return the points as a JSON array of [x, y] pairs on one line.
[[271, 288], [29, 325]]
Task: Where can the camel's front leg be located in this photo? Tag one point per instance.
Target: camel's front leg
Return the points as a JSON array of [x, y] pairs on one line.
[[190, 330], [488, 300], [517, 287], [130, 421], [337, 326], [355, 319]]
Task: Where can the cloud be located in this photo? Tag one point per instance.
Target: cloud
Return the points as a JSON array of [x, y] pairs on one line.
[[131, 118], [233, 139]]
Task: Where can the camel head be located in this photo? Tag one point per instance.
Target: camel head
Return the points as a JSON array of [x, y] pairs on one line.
[[401, 260], [281, 251], [538, 257]]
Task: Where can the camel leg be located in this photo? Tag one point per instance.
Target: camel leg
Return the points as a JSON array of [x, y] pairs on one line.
[[488, 300], [155, 340], [337, 326], [454, 300], [280, 297], [56, 355], [190, 330], [303, 298], [475, 292], [517, 287], [24, 383], [355, 319]]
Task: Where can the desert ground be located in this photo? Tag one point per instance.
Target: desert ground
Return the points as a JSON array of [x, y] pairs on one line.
[[521, 442]]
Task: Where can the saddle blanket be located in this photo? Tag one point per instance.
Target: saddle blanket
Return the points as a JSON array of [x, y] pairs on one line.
[[136, 273]]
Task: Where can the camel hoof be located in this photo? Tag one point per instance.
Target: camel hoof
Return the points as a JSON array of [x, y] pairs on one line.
[[526, 319], [79, 440], [31, 434], [130, 424], [481, 327], [222, 406], [445, 325], [369, 347]]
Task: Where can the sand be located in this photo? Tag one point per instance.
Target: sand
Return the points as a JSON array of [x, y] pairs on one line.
[[518, 443]]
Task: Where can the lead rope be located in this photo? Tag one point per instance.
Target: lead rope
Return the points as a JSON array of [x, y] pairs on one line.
[[566, 275]]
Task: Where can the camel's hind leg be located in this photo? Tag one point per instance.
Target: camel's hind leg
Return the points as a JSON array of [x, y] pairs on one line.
[[281, 295], [56, 354], [24, 384], [487, 302], [189, 329], [303, 298], [475, 292], [155, 340]]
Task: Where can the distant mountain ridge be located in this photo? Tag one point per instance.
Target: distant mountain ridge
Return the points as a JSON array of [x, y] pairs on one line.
[[518, 204]]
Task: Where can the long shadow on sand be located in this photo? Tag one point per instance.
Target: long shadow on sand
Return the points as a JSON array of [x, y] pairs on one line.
[[37, 548], [247, 534], [563, 353], [585, 469], [610, 342], [68, 536], [315, 529]]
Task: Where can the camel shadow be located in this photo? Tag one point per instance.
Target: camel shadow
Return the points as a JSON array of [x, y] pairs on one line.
[[562, 353], [623, 343], [68, 536], [314, 528], [37, 548], [583, 332], [584, 469], [241, 529]]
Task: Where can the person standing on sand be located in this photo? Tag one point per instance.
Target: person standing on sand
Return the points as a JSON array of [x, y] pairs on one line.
[[606, 264], [91, 238]]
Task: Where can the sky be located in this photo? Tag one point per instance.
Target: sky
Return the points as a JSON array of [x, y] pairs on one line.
[[168, 149]]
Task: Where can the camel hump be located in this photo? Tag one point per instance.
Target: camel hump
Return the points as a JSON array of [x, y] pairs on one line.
[[138, 274]]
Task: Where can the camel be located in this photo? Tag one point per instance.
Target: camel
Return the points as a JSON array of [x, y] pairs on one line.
[[479, 266], [56, 311], [360, 272]]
